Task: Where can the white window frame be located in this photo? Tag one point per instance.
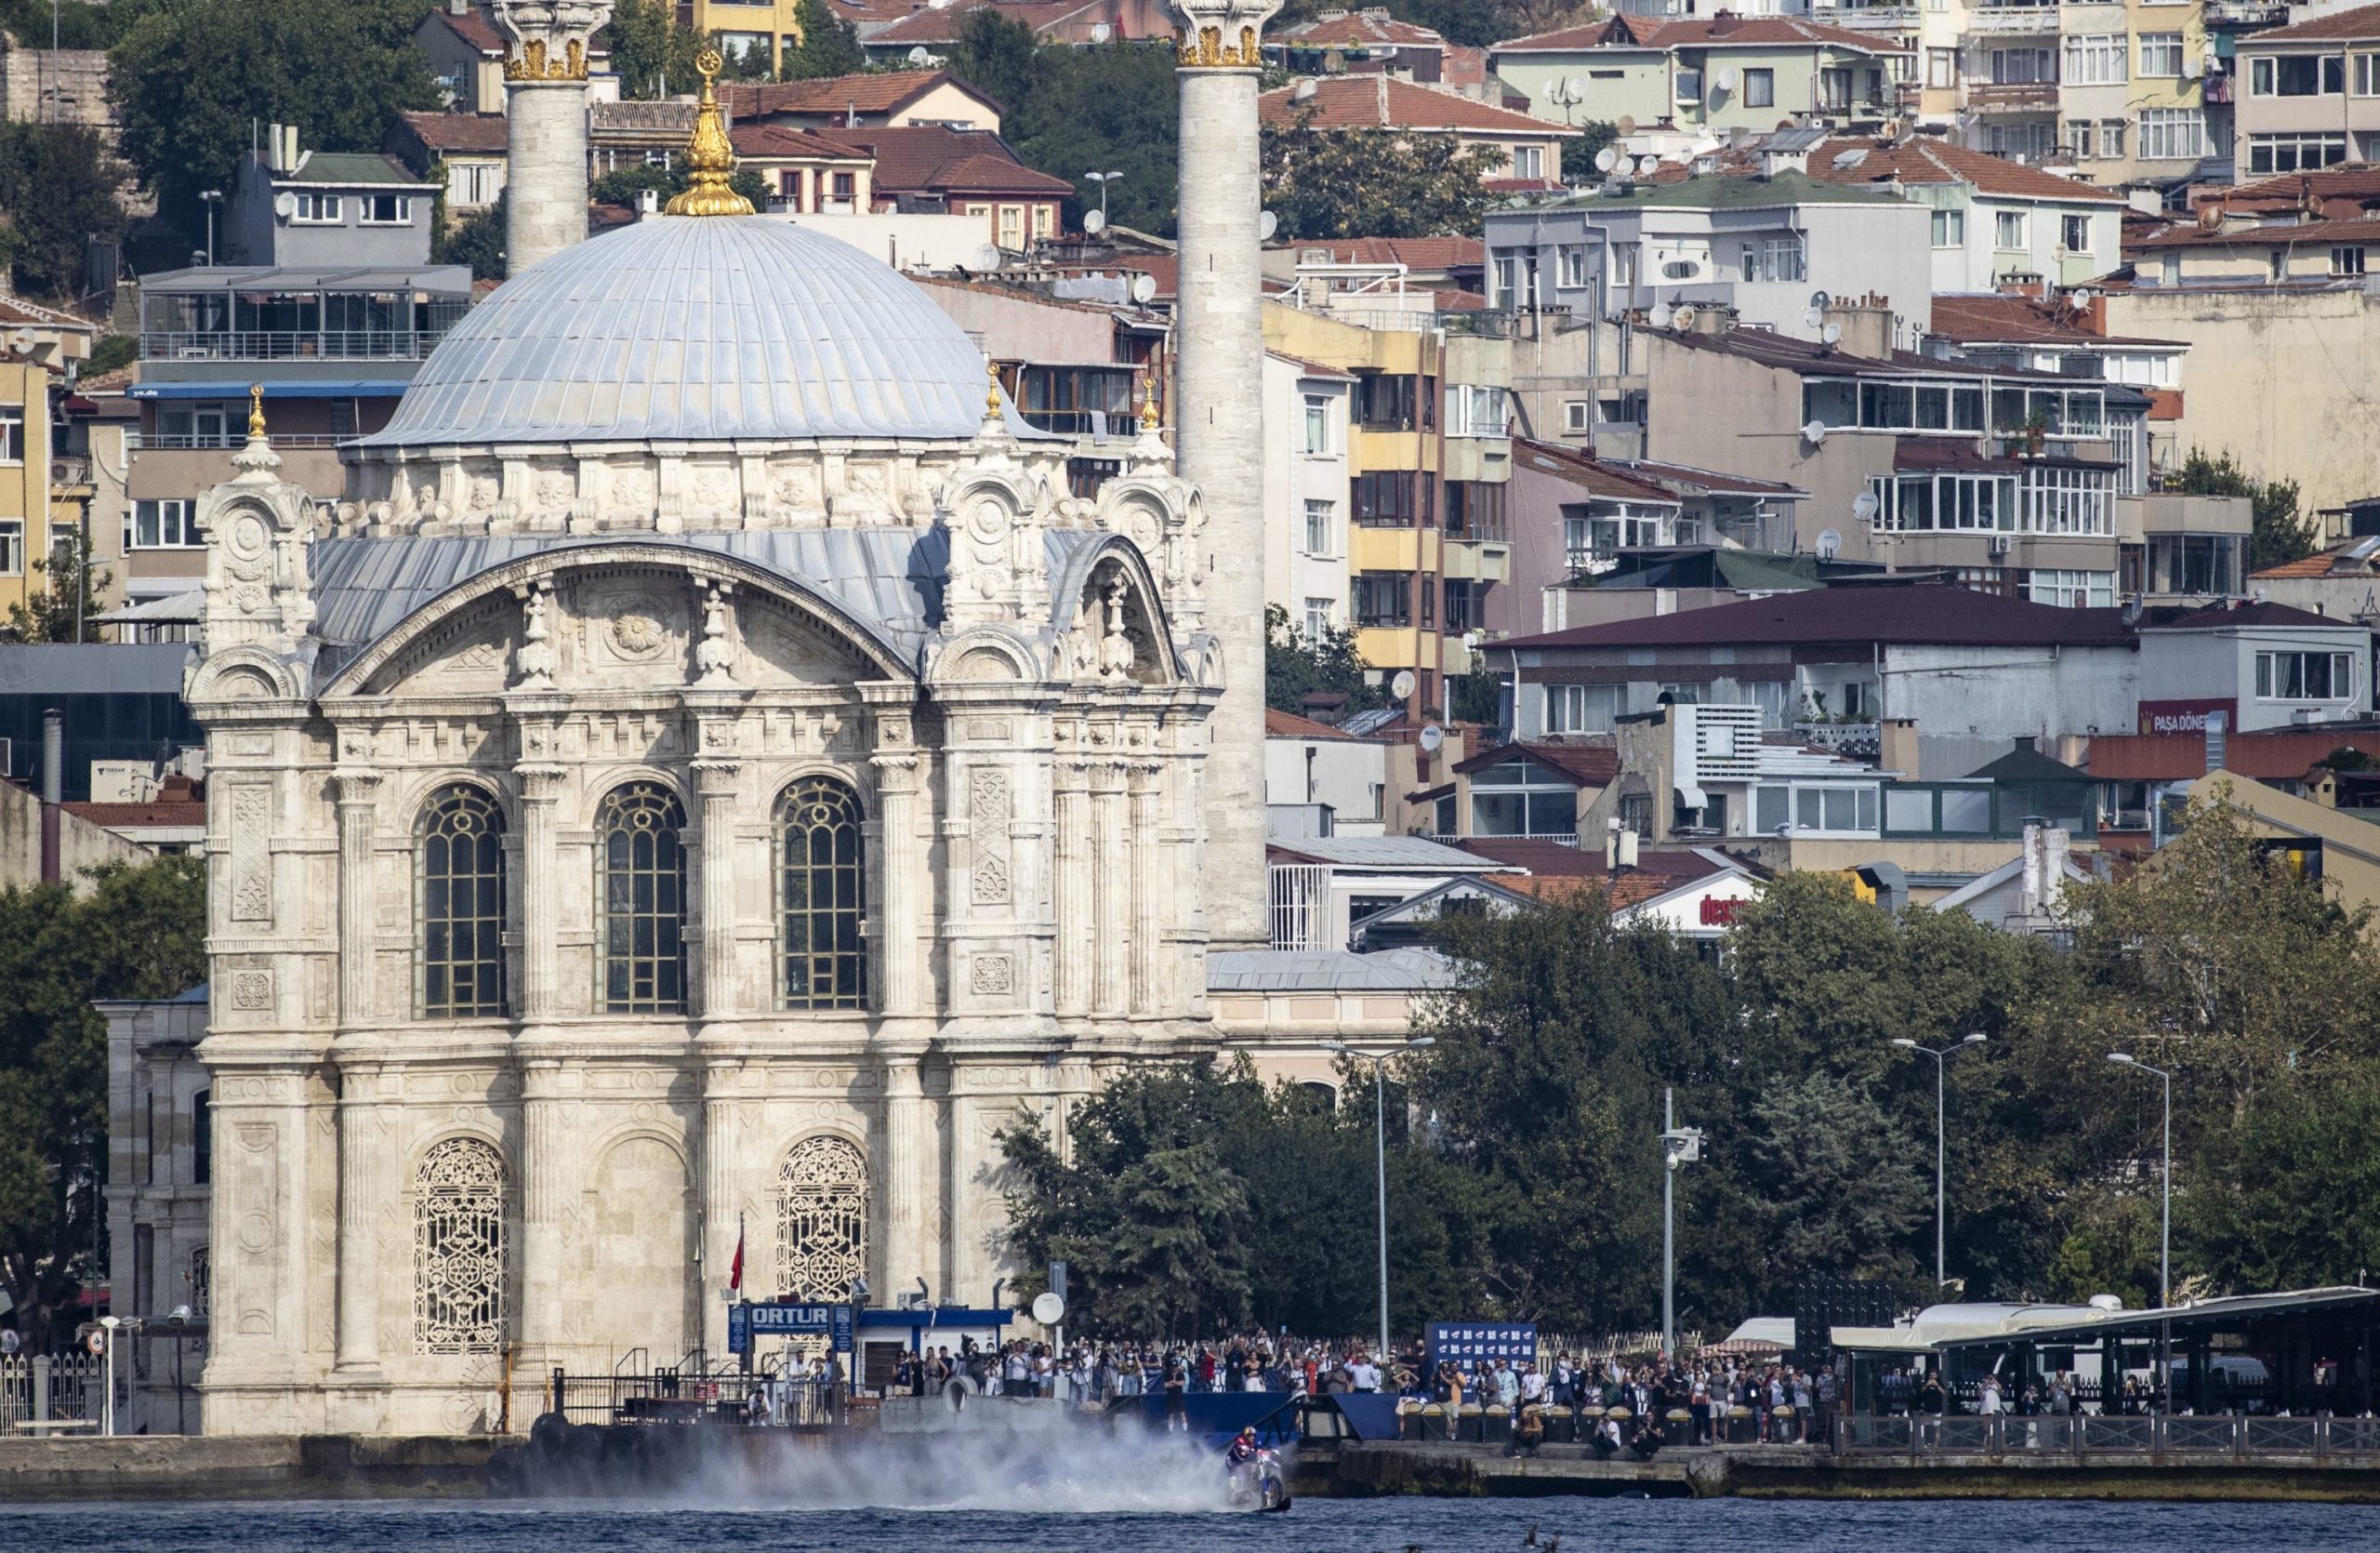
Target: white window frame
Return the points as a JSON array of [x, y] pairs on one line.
[[1760, 87], [1941, 69], [316, 209], [1319, 614], [2011, 233], [2081, 138], [2161, 55], [1570, 708], [1529, 162], [2264, 152], [1949, 229], [1321, 522], [2057, 586], [12, 434], [2096, 60], [2074, 234], [1476, 410], [2272, 681], [169, 522], [1577, 416], [1810, 799], [2363, 76], [12, 547], [2347, 260], [400, 209], [1317, 425], [2170, 135], [1571, 264]]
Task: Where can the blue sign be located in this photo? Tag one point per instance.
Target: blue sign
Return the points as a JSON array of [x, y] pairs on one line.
[[1467, 1343], [747, 1320]]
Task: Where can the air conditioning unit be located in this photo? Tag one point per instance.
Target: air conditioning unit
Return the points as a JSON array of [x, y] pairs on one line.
[[1997, 545]]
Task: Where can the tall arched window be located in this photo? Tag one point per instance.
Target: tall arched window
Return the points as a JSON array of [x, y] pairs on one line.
[[642, 891], [458, 1249], [821, 896], [458, 906], [822, 1219]]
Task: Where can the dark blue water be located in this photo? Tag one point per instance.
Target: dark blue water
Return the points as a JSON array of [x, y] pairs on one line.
[[1314, 1526]]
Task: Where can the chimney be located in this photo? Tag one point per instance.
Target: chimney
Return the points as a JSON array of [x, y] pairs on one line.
[[1611, 846], [1867, 328], [1897, 746], [1626, 849], [273, 148], [2023, 744], [53, 788], [1722, 23]]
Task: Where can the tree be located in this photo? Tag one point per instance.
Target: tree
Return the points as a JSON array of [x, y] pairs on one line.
[[140, 932], [58, 194], [997, 56], [2278, 533], [829, 45], [2289, 1199], [191, 79], [476, 240], [1373, 183], [1837, 1181], [68, 608], [1296, 666], [652, 54], [623, 186]]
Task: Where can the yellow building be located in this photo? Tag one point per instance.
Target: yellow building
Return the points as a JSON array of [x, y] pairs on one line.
[[41, 497], [769, 25]]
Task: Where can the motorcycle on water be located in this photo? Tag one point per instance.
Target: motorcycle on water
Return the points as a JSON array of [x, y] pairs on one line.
[[1259, 1483]]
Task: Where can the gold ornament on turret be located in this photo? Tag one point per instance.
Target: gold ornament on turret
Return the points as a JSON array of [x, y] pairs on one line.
[[1206, 50], [711, 157], [256, 411], [992, 400], [1152, 415], [535, 62]]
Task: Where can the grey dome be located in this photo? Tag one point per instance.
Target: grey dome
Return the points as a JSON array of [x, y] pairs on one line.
[[694, 328]]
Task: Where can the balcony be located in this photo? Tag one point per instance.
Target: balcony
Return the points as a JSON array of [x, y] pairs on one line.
[[284, 345], [2012, 97], [1868, 18], [203, 442], [2001, 21]]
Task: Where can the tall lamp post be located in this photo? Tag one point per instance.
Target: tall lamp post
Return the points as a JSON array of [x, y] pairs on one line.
[[2165, 1233], [1679, 1145], [213, 198], [1103, 180], [1941, 1142], [1379, 1123]]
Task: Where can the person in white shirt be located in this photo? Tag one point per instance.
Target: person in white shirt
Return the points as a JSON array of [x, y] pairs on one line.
[[1532, 1385], [1362, 1375]]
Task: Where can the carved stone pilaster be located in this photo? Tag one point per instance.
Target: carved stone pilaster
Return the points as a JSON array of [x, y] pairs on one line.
[[546, 1174], [1071, 890], [362, 1191], [1112, 879], [716, 783], [540, 916], [359, 792], [1144, 779], [896, 796]]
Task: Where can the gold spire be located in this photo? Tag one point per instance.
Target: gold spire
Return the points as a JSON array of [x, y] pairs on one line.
[[992, 400], [256, 410], [710, 155], [1152, 414]]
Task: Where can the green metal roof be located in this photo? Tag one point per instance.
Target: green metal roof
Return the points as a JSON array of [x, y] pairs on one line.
[[1735, 194], [350, 167]]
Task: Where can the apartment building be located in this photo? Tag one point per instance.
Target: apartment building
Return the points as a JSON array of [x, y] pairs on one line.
[[2307, 96], [1710, 75], [1307, 492], [2137, 100], [892, 99], [44, 496], [1988, 218]]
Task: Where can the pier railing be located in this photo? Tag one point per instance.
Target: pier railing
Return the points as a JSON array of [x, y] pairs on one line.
[[2085, 1435]]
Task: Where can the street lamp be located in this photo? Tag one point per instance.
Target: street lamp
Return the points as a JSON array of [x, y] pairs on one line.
[[1941, 1195], [213, 198], [179, 1320], [1380, 1123], [2165, 1236], [1679, 1145], [1104, 179]]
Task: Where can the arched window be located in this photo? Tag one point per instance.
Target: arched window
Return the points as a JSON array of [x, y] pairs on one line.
[[821, 896], [458, 906], [822, 1219], [643, 896], [458, 1249]]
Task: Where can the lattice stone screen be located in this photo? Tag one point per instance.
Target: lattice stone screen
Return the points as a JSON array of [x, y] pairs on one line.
[[458, 1249], [822, 1219]]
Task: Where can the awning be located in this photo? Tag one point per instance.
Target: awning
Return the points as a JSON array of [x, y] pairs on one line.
[[297, 389], [172, 609]]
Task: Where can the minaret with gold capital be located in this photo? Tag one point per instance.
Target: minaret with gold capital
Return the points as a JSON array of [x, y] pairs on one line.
[[544, 97]]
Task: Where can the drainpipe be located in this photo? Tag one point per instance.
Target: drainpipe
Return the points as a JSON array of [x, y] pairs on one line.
[[53, 787]]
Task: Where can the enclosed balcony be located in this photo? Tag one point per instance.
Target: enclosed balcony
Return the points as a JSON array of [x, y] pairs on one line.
[[295, 315]]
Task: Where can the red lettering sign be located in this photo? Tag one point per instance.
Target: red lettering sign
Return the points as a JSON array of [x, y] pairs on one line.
[[1719, 914]]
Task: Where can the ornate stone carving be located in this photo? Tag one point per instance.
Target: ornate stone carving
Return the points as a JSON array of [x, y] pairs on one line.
[[549, 37], [251, 806], [822, 1219], [459, 1250], [992, 975], [536, 658], [715, 654], [987, 820], [252, 992]]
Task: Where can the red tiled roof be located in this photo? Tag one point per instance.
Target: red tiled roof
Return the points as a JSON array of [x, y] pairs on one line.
[[2189, 235], [472, 29], [16, 310], [1999, 320], [1711, 31], [927, 24], [2281, 756], [157, 813], [1414, 253], [1589, 474], [2362, 22], [1385, 102], [1311, 369], [778, 141], [1928, 159], [1591, 765], [931, 158], [1357, 30], [2342, 193], [444, 132], [836, 93], [1916, 616]]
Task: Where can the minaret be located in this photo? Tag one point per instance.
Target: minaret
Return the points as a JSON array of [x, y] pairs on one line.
[[1219, 430], [545, 90]]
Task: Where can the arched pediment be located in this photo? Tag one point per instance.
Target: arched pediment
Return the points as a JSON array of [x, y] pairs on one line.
[[1105, 598], [446, 621], [241, 673], [983, 654]]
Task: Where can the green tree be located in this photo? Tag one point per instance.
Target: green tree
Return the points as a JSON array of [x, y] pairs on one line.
[[1838, 1184], [623, 186], [110, 351], [653, 56], [191, 79], [1296, 666], [829, 45], [2278, 533], [138, 933], [1372, 183], [476, 240], [58, 194], [67, 608], [2110, 1248], [997, 56], [2289, 1199]]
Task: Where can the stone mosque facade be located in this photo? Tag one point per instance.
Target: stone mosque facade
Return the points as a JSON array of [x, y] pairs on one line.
[[706, 779]]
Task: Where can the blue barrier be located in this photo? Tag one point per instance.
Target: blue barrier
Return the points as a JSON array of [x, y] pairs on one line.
[[1214, 1417]]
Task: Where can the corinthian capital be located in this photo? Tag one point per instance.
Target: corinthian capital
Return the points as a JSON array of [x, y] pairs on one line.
[[1222, 34], [549, 37]]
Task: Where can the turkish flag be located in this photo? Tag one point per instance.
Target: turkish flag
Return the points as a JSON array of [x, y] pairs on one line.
[[736, 1269]]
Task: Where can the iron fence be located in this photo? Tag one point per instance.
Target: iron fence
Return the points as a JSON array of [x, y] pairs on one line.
[[52, 1389], [2086, 1435]]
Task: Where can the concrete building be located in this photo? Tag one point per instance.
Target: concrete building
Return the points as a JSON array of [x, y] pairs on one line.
[[2141, 99], [1366, 781], [470, 147], [2308, 94], [913, 26], [928, 168], [293, 209], [893, 99], [1702, 75], [2263, 665], [1761, 247], [1989, 218], [1308, 492], [45, 491]]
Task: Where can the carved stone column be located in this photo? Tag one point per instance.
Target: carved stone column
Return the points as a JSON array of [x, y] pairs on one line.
[[546, 1176], [1070, 891], [722, 1151], [540, 911], [905, 1120], [359, 792], [715, 781], [1148, 884], [363, 1192], [904, 876], [1111, 884]]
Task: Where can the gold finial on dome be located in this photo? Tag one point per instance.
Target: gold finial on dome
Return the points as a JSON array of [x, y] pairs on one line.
[[1152, 414], [256, 410], [711, 157], [992, 400]]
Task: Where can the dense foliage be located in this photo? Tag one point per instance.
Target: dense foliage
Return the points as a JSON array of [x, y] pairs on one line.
[[1195, 1198], [138, 933], [1325, 183], [58, 189], [1068, 112], [829, 45], [1297, 666], [2278, 533]]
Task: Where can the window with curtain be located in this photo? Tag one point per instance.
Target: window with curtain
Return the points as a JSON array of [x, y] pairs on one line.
[[822, 894], [458, 906], [641, 896]]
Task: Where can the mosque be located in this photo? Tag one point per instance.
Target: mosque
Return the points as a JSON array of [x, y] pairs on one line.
[[706, 780]]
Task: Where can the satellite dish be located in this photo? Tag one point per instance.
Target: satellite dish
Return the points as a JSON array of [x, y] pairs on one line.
[[1144, 287], [284, 205], [919, 56], [1830, 543], [1682, 318], [1659, 316], [1432, 736], [2193, 67], [1815, 432], [1865, 506], [1813, 320], [1832, 333], [1820, 299], [1101, 32], [988, 256], [1606, 159], [1093, 222], [1402, 686], [1266, 225], [1627, 125], [1645, 165], [1728, 78], [1576, 86], [1048, 1308]]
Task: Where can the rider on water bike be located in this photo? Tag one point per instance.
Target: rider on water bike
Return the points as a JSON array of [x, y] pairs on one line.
[[1243, 1450]]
